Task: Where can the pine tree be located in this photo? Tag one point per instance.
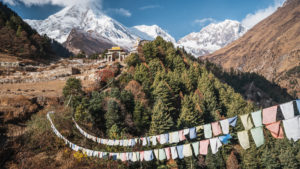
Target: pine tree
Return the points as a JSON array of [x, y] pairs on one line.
[[189, 163], [161, 119], [142, 75], [159, 76], [178, 63], [19, 31], [140, 117], [73, 91], [150, 51], [171, 53], [127, 99], [174, 80], [132, 60], [193, 74], [214, 161], [112, 115], [249, 158], [288, 154], [163, 93], [206, 87], [159, 41], [188, 82], [81, 111], [96, 111], [189, 116], [155, 66]]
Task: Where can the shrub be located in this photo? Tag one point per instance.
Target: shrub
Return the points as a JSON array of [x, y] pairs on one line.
[[79, 156], [39, 127]]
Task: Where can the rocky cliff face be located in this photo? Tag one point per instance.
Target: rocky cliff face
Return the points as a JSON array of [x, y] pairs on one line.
[[89, 42], [271, 48]]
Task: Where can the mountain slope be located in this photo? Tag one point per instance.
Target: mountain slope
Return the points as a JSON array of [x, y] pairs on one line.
[[19, 39], [212, 37], [271, 48], [151, 32], [90, 43], [87, 18]]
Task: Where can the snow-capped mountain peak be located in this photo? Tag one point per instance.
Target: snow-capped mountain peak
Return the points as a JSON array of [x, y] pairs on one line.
[[151, 32], [212, 37], [88, 18]]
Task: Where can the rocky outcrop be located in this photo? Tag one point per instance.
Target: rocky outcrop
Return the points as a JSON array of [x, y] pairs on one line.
[[87, 42]]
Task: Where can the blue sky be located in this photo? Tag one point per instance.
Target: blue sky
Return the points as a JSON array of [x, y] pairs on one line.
[[178, 17]]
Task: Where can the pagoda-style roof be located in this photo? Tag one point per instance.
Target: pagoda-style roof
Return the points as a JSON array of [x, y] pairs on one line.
[[115, 48]]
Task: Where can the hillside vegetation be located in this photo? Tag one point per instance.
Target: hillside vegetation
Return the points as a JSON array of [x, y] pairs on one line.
[[162, 90], [19, 39]]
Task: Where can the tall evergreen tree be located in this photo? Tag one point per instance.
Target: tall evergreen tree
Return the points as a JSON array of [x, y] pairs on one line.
[[188, 82], [163, 93], [150, 51], [127, 99], [189, 116], [155, 66], [214, 161], [159, 76], [132, 60], [19, 31], [171, 53], [161, 119], [141, 117], [112, 115], [72, 92], [178, 63], [96, 110], [175, 82], [142, 75], [206, 87]]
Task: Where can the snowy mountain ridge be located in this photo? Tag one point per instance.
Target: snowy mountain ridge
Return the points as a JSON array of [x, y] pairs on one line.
[[91, 20], [152, 32], [212, 37]]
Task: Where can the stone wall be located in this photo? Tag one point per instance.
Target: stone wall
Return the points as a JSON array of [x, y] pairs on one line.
[[9, 64]]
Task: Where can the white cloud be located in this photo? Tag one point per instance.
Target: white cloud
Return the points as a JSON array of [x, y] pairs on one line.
[[204, 21], [10, 2], [149, 7], [253, 18], [119, 11], [52, 2]]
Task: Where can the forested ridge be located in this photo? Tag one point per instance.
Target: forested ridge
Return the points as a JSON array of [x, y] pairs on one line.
[[19, 39], [163, 89]]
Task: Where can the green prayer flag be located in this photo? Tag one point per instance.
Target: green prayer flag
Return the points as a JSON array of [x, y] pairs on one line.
[[257, 119], [162, 154], [207, 131], [258, 136]]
